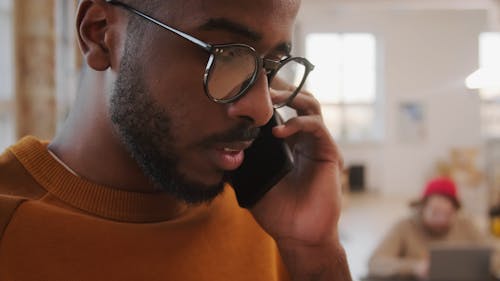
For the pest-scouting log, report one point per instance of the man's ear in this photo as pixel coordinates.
(92, 24)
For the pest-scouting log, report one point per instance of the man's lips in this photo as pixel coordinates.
(229, 155)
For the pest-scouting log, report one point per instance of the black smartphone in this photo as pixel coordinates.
(266, 162)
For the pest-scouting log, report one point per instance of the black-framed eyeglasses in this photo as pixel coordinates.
(232, 69)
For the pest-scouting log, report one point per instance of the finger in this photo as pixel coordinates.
(279, 96)
(279, 84)
(306, 92)
(304, 102)
(313, 126)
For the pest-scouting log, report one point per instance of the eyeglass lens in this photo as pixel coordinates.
(233, 70)
(288, 78)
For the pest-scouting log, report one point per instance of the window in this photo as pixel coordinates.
(6, 79)
(489, 69)
(344, 81)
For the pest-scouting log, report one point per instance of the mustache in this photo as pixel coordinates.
(239, 133)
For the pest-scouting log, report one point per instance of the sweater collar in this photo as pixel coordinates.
(99, 200)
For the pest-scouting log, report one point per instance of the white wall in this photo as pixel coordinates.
(6, 78)
(5, 51)
(425, 57)
(5, 4)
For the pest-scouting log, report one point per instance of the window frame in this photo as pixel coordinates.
(377, 129)
(487, 102)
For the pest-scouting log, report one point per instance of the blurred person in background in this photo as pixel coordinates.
(404, 251)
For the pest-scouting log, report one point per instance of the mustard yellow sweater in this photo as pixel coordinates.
(59, 227)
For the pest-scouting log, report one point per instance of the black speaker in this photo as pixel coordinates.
(356, 178)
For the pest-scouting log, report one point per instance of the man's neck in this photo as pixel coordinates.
(88, 145)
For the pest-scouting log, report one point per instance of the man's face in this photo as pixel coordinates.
(181, 139)
(438, 214)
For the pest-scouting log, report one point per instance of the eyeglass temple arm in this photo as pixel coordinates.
(196, 41)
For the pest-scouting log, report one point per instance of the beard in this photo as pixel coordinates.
(144, 128)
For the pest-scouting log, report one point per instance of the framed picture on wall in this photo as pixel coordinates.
(411, 122)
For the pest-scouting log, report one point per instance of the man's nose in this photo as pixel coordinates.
(255, 104)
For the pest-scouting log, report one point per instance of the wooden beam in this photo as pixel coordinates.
(35, 85)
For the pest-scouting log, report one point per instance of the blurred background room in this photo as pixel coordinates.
(410, 90)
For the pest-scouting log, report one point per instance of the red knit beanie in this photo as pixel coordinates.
(444, 187)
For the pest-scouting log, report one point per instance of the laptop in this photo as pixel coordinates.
(460, 263)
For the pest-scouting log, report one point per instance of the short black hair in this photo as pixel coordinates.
(137, 27)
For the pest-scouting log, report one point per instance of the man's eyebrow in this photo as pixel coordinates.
(242, 30)
(233, 27)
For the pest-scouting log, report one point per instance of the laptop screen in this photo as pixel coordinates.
(460, 263)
